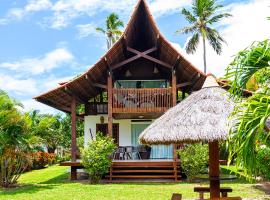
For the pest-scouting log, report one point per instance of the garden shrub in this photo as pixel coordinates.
(194, 159)
(263, 162)
(42, 159)
(12, 164)
(96, 157)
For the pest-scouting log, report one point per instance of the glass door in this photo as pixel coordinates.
(157, 151)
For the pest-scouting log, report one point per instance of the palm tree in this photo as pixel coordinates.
(112, 31)
(202, 16)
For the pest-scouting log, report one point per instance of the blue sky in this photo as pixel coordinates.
(44, 42)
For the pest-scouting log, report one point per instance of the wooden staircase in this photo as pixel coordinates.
(144, 171)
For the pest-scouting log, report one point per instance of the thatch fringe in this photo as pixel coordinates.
(202, 116)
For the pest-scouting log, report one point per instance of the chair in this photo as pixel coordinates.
(119, 153)
(136, 152)
(129, 152)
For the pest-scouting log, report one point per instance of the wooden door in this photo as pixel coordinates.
(103, 128)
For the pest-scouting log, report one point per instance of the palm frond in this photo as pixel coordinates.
(217, 18)
(192, 44)
(214, 39)
(246, 63)
(248, 128)
(188, 29)
(101, 30)
(188, 15)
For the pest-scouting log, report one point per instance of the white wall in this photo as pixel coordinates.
(124, 128)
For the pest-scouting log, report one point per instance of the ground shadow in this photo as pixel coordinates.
(29, 188)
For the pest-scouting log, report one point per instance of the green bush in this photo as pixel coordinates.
(263, 162)
(96, 157)
(194, 159)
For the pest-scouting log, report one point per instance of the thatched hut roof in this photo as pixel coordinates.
(202, 116)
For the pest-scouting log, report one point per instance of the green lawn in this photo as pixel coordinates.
(52, 183)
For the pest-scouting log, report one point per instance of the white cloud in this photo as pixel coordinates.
(161, 7)
(31, 7)
(248, 24)
(64, 11)
(84, 30)
(18, 86)
(45, 63)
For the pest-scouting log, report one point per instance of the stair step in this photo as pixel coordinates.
(142, 171)
(143, 176)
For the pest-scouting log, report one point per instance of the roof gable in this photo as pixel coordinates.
(141, 34)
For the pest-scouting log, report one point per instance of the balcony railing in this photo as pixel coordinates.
(142, 100)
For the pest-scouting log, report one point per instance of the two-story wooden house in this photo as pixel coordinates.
(134, 83)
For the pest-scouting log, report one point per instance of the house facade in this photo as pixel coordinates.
(135, 82)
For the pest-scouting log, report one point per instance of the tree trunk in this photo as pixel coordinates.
(204, 55)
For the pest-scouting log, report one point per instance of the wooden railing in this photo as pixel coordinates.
(142, 100)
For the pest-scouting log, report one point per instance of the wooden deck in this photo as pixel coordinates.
(161, 170)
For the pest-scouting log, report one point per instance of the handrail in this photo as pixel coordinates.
(142, 100)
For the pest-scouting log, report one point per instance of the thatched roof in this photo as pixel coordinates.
(202, 116)
(141, 33)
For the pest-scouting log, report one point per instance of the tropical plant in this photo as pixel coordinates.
(112, 32)
(194, 159)
(250, 70)
(201, 18)
(254, 59)
(14, 141)
(96, 157)
(248, 131)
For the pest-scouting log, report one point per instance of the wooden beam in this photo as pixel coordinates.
(73, 129)
(180, 85)
(214, 170)
(174, 96)
(110, 102)
(75, 94)
(90, 84)
(100, 86)
(158, 45)
(124, 46)
(178, 59)
(124, 62)
(149, 57)
(73, 137)
(51, 103)
(195, 78)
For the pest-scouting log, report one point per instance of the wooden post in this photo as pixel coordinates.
(110, 118)
(174, 97)
(175, 162)
(73, 138)
(214, 170)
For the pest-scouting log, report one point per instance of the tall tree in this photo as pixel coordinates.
(112, 32)
(203, 15)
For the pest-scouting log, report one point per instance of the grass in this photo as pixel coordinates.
(52, 183)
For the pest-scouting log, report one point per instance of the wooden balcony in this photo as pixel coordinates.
(145, 100)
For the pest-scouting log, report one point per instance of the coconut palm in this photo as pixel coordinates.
(112, 32)
(203, 15)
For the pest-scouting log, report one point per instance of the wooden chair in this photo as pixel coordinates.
(176, 196)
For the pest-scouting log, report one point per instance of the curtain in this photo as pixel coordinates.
(157, 151)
